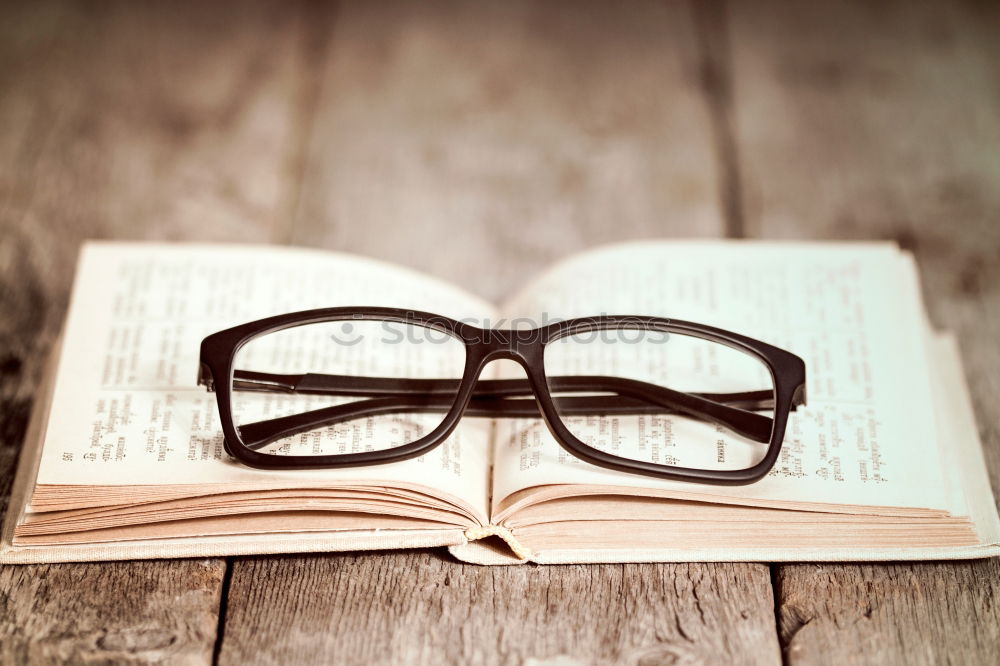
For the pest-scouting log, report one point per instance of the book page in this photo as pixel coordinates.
(127, 410)
(851, 311)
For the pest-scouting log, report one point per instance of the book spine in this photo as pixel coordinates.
(484, 531)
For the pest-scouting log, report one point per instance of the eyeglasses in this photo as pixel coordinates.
(343, 387)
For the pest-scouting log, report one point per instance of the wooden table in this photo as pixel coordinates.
(479, 142)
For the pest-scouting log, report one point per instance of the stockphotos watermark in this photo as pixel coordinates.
(420, 330)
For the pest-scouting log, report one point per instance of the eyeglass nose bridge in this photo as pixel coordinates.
(506, 347)
(521, 346)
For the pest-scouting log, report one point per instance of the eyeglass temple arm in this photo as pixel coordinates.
(256, 435)
(490, 399)
(347, 385)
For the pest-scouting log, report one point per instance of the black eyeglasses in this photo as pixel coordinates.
(342, 387)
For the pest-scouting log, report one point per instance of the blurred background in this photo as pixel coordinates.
(482, 141)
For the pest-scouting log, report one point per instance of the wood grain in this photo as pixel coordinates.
(423, 607)
(479, 143)
(167, 121)
(883, 121)
(925, 613)
(112, 612)
(122, 122)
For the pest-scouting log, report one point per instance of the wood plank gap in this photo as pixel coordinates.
(784, 637)
(318, 21)
(220, 631)
(715, 74)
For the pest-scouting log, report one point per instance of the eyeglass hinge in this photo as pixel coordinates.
(205, 377)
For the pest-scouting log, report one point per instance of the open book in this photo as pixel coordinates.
(124, 456)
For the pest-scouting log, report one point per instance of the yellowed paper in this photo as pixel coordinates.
(852, 312)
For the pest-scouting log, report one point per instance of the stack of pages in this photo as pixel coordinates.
(124, 457)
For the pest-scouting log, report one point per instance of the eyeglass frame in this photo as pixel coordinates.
(482, 346)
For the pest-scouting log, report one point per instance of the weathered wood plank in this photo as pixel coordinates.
(120, 122)
(110, 612)
(423, 607)
(480, 143)
(882, 121)
(125, 121)
(926, 613)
